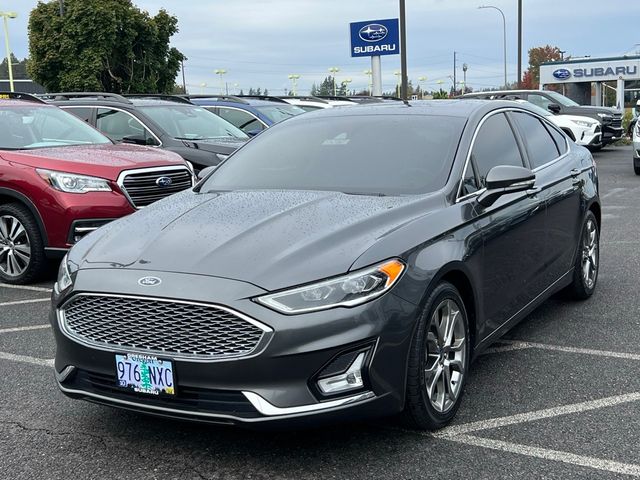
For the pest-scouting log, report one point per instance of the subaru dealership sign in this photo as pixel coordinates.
(590, 70)
(375, 37)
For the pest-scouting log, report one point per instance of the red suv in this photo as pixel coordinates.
(60, 179)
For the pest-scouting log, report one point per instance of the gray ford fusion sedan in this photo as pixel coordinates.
(345, 263)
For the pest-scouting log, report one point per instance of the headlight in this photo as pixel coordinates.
(73, 183)
(583, 123)
(605, 116)
(64, 280)
(345, 291)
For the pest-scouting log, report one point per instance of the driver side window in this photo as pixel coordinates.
(539, 100)
(243, 120)
(117, 125)
(495, 145)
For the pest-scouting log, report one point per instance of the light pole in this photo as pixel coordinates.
(5, 16)
(345, 83)
(562, 52)
(504, 38)
(421, 81)
(202, 87)
(369, 73)
(334, 70)
(221, 72)
(398, 75)
(465, 67)
(294, 81)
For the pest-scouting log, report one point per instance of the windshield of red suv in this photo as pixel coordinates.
(32, 126)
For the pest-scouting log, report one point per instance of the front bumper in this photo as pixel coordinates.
(611, 134)
(588, 136)
(276, 384)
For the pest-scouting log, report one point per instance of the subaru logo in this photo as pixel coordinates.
(149, 281)
(164, 182)
(373, 32)
(562, 74)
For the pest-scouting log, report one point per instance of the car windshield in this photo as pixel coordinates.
(187, 122)
(561, 99)
(277, 113)
(367, 155)
(27, 127)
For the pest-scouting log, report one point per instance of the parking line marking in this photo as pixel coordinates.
(26, 287)
(547, 454)
(24, 329)
(507, 348)
(22, 302)
(26, 359)
(535, 415)
(584, 351)
(613, 191)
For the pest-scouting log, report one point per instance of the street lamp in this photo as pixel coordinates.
(504, 38)
(345, 83)
(334, 70)
(294, 80)
(421, 81)
(465, 67)
(5, 16)
(369, 73)
(202, 87)
(398, 75)
(221, 72)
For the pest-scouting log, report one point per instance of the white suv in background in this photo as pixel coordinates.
(584, 131)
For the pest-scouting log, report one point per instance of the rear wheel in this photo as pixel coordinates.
(585, 272)
(438, 360)
(22, 258)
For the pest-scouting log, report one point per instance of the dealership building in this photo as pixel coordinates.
(610, 82)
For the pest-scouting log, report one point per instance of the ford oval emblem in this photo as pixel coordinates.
(562, 74)
(374, 32)
(164, 182)
(149, 281)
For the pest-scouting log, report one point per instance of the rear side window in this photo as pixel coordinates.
(559, 138)
(83, 113)
(540, 145)
(495, 145)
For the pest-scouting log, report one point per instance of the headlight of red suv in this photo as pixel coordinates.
(74, 183)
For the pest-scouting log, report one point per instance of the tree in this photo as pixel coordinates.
(103, 45)
(19, 68)
(325, 87)
(538, 55)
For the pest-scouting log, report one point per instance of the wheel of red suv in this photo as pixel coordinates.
(22, 258)
(585, 272)
(438, 360)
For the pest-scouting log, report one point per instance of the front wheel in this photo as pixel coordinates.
(587, 265)
(438, 360)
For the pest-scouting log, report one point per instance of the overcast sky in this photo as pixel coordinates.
(261, 42)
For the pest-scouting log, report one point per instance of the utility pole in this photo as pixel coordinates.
(403, 52)
(519, 43)
(562, 52)
(184, 83)
(455, 83)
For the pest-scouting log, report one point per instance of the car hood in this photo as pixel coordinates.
(105, 161)
(591, 111)
(272, 239)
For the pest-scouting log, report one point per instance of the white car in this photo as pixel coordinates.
(311, 103)
(584, 131)
(636, 148)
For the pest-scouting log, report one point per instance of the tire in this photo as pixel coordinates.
(427, 407)
(22, 258)
(587, 265)
(636, 168)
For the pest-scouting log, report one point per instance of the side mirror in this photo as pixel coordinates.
(505, 179)
(138, 140)
(554, 108)
(206, 171)
(253, 133)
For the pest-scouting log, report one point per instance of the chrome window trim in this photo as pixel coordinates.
(64, 107)
(459, 197)
(267, 331)
(238, 109)
(125, 173)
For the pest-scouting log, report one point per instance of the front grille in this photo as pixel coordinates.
(142, 185)
(160, 327)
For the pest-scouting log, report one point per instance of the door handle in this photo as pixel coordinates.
(575, 172)
(532, 192)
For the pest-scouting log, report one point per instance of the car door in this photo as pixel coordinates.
(513, 228)
(559, 179)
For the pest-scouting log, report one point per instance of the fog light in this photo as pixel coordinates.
(349, 380)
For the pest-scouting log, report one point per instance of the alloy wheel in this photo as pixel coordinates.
(15, 247)
(446, 356)
(590, 253)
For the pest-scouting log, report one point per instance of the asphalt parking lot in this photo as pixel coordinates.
(558, 397)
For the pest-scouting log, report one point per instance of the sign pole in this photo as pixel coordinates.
(403, 52)
(376, 74)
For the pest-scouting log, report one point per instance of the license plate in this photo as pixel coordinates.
(145, 374)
